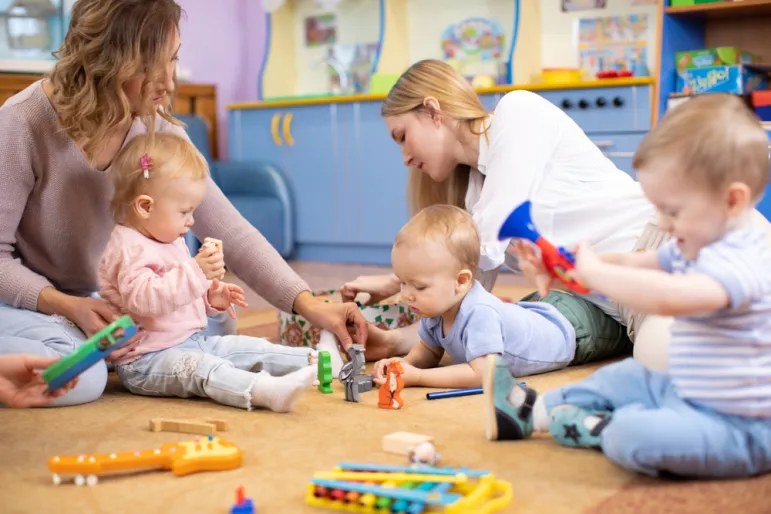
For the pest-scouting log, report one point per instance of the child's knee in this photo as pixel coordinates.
(91, 385)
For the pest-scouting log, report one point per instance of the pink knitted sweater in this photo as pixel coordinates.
(159, 285)
(55, 219)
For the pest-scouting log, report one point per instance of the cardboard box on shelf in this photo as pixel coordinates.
(740, 79)
(720, 56)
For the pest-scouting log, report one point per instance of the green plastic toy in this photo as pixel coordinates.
(325, 372)
(96, 347)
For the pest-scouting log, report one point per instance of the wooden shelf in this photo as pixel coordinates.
(722, 10)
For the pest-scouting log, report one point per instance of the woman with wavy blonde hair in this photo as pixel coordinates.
(527, 149)
(113, 80)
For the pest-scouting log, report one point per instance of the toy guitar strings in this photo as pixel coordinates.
(558, 261)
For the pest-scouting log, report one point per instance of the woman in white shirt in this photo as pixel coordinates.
(489, 164)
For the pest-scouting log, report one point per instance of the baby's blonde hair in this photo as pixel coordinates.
(448, 225)
(716, 140)
(171, 157)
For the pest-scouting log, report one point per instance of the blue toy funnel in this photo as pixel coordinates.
(519, 224)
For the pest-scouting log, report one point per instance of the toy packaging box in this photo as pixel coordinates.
(721, 56)
(740, 79)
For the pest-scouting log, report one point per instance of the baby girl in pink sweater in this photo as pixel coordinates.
(147, 272)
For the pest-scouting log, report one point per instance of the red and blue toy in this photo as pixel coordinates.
(243, 504)
(558, 261)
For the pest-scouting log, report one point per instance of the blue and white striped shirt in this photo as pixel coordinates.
(722, 359)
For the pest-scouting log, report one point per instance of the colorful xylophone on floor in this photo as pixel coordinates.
(374, 488)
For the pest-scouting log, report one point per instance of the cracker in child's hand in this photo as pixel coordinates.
(215, 242)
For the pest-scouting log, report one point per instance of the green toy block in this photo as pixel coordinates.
(325, 372)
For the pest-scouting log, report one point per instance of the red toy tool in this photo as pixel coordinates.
(558, 261)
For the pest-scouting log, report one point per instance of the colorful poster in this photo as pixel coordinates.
(613, 43)
(476, 39)
(320, 30)
(583, 5)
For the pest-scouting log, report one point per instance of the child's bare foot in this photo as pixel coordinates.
(279, 394)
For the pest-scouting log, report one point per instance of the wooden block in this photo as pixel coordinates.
(221, 424)
(401, 442)
(185, 426)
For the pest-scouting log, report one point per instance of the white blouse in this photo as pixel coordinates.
(533, 150)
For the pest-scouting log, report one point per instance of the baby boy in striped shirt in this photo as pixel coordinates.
(704, 167)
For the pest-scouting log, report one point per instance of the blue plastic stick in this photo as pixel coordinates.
(454, 393)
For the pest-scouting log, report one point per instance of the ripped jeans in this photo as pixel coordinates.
(23, 331)
(223, 368)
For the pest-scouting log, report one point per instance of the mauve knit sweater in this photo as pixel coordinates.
(55, 219)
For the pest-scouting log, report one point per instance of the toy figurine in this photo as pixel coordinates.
(351, 377)
(324, 372)
(389, 396)
(558, 261)
(424, 453)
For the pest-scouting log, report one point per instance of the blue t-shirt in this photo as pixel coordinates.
(533, 337)
(722, 359)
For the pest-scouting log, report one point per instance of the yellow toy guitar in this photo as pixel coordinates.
(212, 454)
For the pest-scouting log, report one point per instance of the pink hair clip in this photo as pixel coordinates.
(146, 164)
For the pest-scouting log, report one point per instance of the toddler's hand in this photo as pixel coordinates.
(211, 261)
(222, 296)
(587, 262)
(531, 265)
(380, 370)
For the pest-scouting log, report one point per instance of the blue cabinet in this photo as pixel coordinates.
(379, 207)
(303, 143)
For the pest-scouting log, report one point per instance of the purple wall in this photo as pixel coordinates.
(223, 43)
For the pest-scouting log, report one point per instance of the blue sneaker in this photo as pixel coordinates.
(577, 427)
(503, 420)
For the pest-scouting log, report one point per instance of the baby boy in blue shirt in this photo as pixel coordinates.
(435, 256)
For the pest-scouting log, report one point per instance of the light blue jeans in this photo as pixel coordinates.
(654, 431)
(23, 331)
(223, 368)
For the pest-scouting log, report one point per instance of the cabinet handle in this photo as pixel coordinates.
(274, 129)
(288, 129)
(603, 144)
(618, 154)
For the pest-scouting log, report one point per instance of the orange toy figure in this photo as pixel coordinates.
(389, 397)
(211, 454)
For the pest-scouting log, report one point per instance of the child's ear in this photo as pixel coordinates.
(143, 206)
(465, 279)
(739, 198)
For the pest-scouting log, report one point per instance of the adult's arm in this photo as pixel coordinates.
(247, 252)
(251, 257)
(522, 138)
(19, 285)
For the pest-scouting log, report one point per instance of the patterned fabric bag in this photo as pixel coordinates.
(294, 330)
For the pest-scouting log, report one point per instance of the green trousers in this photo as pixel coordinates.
(598, 336)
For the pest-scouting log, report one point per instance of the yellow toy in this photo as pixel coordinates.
(373, 488)
(212, 454)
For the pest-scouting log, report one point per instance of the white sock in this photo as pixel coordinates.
(517, 397)
(279, 394)
(328, 343)
(540, 416)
